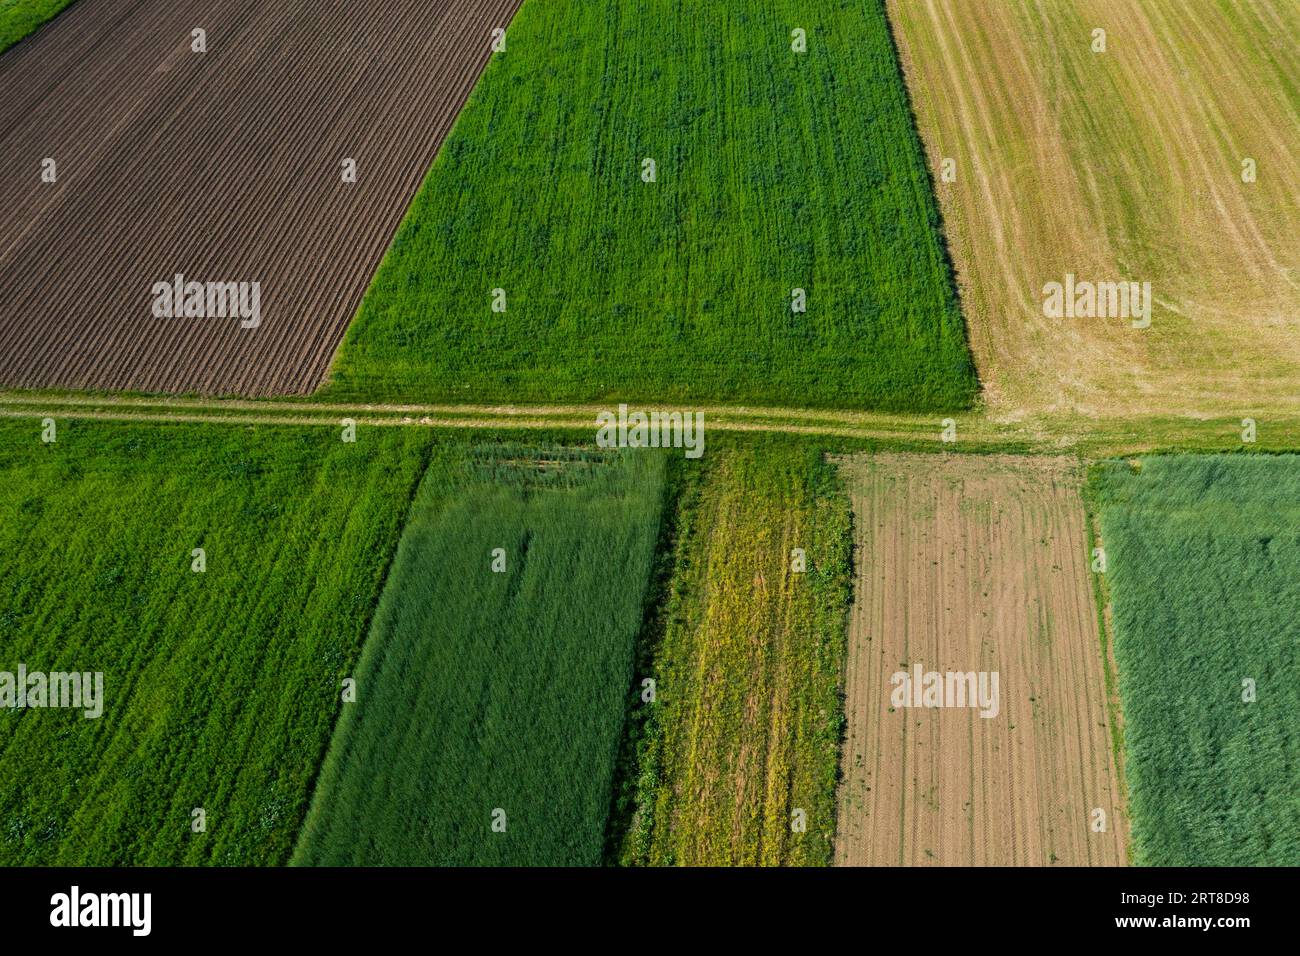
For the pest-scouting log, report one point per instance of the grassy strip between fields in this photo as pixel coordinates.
(544, 259)
(492, 690)
(221, 679)
(20, 17)
(736, 757)
(841, 430)
(1204, 578)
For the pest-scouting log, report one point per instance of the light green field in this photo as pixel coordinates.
(220, 688)
(738, 755)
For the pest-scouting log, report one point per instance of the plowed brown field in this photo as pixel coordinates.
(221, 166)
(975, 564)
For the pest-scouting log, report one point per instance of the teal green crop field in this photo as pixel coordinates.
(537, 264)
(220, 687)
(20, 17)
(1204, 579)
(493, 688)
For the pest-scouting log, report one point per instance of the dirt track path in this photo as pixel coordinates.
(224, 166)
(977, 431)
(975, 564)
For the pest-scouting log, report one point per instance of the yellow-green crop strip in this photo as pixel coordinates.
(1203, 558)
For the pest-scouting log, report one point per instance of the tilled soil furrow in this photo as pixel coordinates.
(224, 167)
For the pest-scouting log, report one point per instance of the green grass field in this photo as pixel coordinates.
(1204, 578)
(220, 688)
(775, 170)
(746, 724)
(20, 17)
(482, 690)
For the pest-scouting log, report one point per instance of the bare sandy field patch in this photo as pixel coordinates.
(975, 564)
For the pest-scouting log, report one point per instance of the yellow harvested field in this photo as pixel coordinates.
(974, 565)
(1122, 165)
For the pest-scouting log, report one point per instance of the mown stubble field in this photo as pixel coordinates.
(1122, 165)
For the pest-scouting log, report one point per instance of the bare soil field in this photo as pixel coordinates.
(975, 564)
(1126, 164)
(222, 166)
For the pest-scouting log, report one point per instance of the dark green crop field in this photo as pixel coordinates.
(220, 687)
(774, 170)
(493, 687)
(1204, 578)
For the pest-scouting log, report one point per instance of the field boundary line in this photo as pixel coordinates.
(427, 421)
